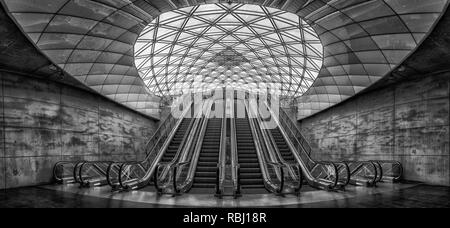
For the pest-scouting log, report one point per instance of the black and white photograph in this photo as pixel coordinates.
(224, 104)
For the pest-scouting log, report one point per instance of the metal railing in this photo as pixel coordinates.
(63, 172)
(185, 171)
(221, 168)
(272, 170)
(323, 175)
(293, 178)
(133, 175)
(165, 173)
(392, 171)
(93, 173)
(235, 167)
(366, 173)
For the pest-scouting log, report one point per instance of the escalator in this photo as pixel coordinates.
(250, 176)
(281, 143)
(174, 145)
(206, 172)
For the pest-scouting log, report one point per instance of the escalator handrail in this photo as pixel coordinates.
(380, 174)
(360, 165)
(193, 160)
(292, 124)
(185, 141)
(58, 164)
(399, 164)
(169, 118)
(270, 143)
(108, 175)
(347, 171)
(148, 172)
(263, 163)
(123, 184)
(335, 182)
(169, 138)
(171, 167)
(93, 164)
(222, 153)
(271, 158)
(312, 180)
(234, 156)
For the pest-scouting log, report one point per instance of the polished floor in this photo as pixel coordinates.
(386, 195)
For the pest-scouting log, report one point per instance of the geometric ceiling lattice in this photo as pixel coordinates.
(235, 45)
(93, 40)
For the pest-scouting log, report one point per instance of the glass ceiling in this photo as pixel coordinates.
(235, 45)
(93, 40)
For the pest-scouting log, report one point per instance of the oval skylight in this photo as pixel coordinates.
(233, 45)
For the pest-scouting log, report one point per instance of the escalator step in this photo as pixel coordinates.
(250, 170)
(251, 181)
(253, 186)
(206, 169)
(246, 176)
(199, 185)
(205, 174)
(205, 180)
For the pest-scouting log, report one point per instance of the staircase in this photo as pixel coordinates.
(251, 178)
(174, 145)
(206, 173)
(282, 145)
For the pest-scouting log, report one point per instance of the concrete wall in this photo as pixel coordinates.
(408, 122)
(44, 122)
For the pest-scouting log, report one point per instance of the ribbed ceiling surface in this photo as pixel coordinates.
(93, 40)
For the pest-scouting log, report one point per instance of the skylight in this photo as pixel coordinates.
(234, 45)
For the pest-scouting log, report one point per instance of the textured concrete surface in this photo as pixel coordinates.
(414, 196)
(408, 122)
(308, 195)
(44, 122)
